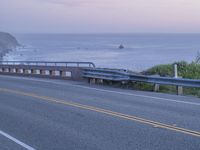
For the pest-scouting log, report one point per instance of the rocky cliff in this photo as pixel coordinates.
(7, 43)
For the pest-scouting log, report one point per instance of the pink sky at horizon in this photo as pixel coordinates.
(99, 16)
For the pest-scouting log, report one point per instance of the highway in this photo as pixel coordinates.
(45, 114)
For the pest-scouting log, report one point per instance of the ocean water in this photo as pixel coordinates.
(141, 50)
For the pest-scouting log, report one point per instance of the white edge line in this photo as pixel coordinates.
(16, 141)
(110, 91)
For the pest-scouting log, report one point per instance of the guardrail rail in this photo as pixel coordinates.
(98, 75)
(49, 63)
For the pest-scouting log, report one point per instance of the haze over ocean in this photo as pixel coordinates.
(141, 50)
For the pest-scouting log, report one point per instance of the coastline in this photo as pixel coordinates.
(140, 53)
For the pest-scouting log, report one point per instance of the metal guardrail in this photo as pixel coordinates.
(106, 74)
(116, 75)
(167, 81)
(49, 63)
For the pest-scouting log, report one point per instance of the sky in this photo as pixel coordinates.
(99, 16)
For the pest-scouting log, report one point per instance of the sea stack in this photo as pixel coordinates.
(121, 46)
(7, 43)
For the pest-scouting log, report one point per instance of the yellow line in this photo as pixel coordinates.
(104, 111)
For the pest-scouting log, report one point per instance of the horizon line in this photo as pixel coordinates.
(104, 32)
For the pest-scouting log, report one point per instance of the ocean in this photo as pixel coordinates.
(141, 51)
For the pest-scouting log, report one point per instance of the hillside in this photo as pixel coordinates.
(7, 43)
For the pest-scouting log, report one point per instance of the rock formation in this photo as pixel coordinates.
(7, 43)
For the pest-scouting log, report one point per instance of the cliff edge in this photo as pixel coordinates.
(7, 43)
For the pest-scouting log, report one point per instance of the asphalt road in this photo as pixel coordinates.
(48, 114)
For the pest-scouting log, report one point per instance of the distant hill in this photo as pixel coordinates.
(7, 43)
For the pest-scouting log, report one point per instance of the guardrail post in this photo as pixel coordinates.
(179, 90)
(156, 87)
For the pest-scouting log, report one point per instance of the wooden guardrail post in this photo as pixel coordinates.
(156, 87)
(179, 90)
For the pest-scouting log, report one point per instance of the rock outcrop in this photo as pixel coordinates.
(121, 46)
(7, 43)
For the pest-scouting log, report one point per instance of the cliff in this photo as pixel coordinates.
(7, 43)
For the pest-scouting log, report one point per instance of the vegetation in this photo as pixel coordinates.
(197, 60)
(185, 70)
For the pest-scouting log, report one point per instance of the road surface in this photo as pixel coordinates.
(49, 114)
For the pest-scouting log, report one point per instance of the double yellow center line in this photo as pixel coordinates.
(104, 111)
